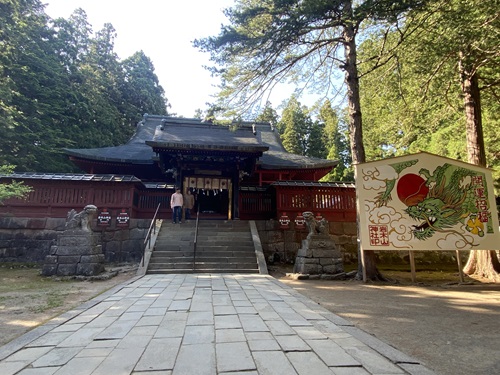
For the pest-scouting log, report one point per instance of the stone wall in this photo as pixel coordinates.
(287, 243)
(30, 240)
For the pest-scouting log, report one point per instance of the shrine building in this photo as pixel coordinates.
(236, 171)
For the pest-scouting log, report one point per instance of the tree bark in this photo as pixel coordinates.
(356, 135)
(481, 263)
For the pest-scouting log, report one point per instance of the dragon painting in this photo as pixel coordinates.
(439, 201)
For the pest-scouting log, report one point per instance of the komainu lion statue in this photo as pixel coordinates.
(82, 219)
(315, 227)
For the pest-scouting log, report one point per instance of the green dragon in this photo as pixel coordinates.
(450, 200)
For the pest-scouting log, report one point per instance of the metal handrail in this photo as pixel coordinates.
(196, 237)
(151, 230)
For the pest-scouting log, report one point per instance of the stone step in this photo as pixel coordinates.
(222, 246)
(236, 248)
(227, 252)
(174, 265)
(202, 258)
(173, 242)
(225, 241)
(203, 265)
(190, 270)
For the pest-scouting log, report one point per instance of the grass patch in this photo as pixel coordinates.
(48, 301)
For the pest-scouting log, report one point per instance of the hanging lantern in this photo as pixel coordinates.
(284, 221)
(319, 217)
(300, 222)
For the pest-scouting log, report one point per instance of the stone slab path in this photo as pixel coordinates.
(199, 324)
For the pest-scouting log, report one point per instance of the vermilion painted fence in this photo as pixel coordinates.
(334, 203)
(256, 205)
(55, 198)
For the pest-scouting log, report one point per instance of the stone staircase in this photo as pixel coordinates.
(222, 247)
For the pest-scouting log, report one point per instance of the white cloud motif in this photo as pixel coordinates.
(455, 241)
(375, 178)
(399, 226)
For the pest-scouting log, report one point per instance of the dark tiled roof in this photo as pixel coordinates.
(198, 135)
(278, 158)
(313, 183)
(72, 177)
(187, 134)
(135, 151)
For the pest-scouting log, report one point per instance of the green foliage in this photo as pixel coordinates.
(293, 127)
(325, 137)
(297, 41)
(336, 141)
(315, 145)
(269, 115)
(141, 89)
(299, 133)
(415, 102)
(13, 188)
(62, 86)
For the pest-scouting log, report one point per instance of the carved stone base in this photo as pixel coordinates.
(318, 255)
(77, 252)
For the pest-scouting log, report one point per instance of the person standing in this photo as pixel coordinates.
(176, 203)
(188, 204)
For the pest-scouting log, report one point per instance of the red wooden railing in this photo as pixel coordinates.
(334, 203)
(256, 205)
(56, 198)
(49, 199)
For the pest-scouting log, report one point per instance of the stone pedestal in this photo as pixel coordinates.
(78, 250)
(76, 253)
(318, 255)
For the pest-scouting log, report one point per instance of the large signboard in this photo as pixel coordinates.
(426, 202)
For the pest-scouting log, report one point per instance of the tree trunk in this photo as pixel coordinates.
(481, 263)
(355, 133)
(484, 264)
(476, 153)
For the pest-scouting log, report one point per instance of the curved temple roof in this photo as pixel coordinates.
(188, 134)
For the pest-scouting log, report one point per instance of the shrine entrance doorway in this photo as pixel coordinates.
(212, 196)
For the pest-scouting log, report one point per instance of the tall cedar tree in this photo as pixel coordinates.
(62, 86)
(33, 86)
(269, 41)
(434, 94)
(469, 38)
(336, 144)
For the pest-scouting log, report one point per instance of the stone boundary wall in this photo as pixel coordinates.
(344, 235)
(30, 239)
(286, 243)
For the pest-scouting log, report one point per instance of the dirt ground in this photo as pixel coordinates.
(28, 299)
(452, 328)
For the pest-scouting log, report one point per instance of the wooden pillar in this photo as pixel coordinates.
(459, 264)
(412, 267)
(235, 195)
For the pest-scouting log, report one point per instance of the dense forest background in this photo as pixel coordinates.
(63, 86)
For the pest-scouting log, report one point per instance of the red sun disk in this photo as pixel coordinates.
(411, 189)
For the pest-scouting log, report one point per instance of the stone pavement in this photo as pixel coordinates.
(199, 324)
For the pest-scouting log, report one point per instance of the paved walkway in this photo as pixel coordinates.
(202, 324)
